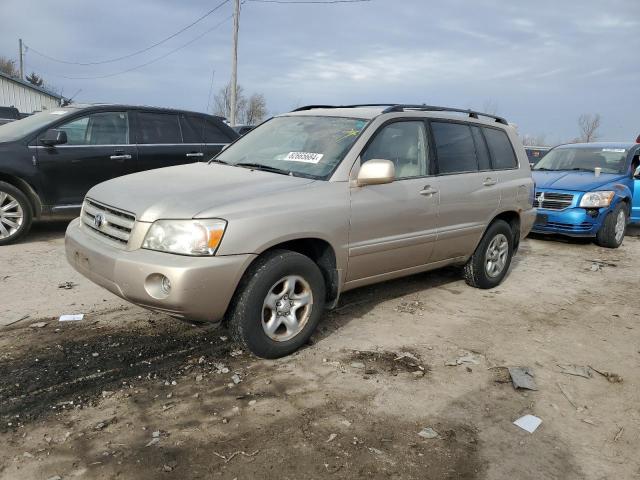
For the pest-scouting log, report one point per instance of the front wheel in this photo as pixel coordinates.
(15, 214)
(614, 227)
(278, 304)
(490, 262)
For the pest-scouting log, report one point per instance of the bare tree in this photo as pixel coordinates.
(589, 125)
(35, 79)
(222, 101)
(490, 106)
(256, 109)
(533, 140)
(8, 67)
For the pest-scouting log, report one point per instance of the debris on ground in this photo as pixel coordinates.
(610, 376)
(67, 285)
(236, 353)
(428, 433)
(331, 437)
(72, 318)
(236, 378)
(357, 365)
(567, 396)
(24, 317)
(468, 359)
(576, 370)
(374, 362)
(231, 456)
(411, 307)
(170, 466)
(618, 435)
(522, 377)
(105, 423)
(38, 325)
(529, 423)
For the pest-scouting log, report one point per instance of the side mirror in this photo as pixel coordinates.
(54, 137)
(376, 172)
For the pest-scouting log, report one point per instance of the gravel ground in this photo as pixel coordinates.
(128, 393)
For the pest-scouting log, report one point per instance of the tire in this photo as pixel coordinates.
(614, 227)
(478, 272)
(271, 293)
(15, 214)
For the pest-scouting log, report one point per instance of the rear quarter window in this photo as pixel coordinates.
(501, 150)
(455, 147)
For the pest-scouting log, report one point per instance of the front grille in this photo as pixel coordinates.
(553, 200)
(573, 227)
(113, 225)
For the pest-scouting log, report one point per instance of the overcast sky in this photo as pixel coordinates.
(540, 64)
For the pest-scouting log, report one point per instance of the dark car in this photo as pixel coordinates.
(48, 161)
(535, 154)
(243, 129)
(9, 114)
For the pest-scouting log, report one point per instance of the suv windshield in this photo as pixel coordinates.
(12, 131)
(308, 146)
(610, 160)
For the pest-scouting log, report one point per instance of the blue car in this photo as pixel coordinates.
(587, 190)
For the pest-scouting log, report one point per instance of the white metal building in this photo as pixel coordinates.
(27, 98)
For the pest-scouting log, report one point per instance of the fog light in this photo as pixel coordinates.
(166, 285)
(158, 286)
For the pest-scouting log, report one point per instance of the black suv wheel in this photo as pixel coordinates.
(15, 214)
(277, 305)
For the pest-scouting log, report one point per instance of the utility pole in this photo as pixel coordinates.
(21, 57)
(234, 64)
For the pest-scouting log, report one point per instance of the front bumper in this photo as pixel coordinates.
(574, 222)
(201, 287)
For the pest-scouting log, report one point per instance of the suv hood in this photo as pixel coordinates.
(185, 191)
(576, 181)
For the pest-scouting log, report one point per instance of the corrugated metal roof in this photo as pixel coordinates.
(31, 86)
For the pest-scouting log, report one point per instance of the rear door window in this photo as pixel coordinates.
(455, 147)
(158, 128)
(501, 150)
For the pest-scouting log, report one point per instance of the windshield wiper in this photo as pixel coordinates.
(579, 169)
(543, 169)
(217, 160)
(267, 168)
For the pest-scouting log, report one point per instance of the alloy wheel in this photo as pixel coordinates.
(621, 222)
(496, 255)
(287, 308)
(11, 215)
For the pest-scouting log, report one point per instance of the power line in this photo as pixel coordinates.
(301, 2)
(138, 52)
(150, 61)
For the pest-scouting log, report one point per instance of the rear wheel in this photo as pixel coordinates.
(278, 304)
(490, 262)
(15, 214)
(614, 227)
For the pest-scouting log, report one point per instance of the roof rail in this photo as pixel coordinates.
(312, 107)
(432, 108)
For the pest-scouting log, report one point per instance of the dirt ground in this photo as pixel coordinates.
(132, 394)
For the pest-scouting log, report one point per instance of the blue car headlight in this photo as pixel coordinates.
(597, 199)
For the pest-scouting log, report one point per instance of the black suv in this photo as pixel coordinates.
(49, 161)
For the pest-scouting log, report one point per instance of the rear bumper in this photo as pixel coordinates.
(201, 287)
(574, 222)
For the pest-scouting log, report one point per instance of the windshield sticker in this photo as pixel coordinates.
(304, 157)
(349, 133)
(57, 112)
(614, 150)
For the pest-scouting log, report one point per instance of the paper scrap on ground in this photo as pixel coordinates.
(576, 370)
(529, 423)
(522, 377)
(71, 318)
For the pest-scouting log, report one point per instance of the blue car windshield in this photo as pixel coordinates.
(608, 159)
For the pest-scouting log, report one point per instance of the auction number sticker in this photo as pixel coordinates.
(304, 157)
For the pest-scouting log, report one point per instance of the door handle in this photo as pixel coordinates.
(195, 154)
(488, 182)
(428, 191)
(120, 157)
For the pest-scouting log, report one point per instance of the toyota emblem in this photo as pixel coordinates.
(98, 220)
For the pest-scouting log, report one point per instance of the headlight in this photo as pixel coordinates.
(597, 199)
(185, 237)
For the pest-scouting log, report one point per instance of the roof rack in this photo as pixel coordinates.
(313, 107)
(399, 107)
(432, 108)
